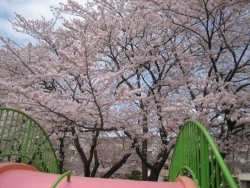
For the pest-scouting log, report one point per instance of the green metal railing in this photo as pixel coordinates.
(58, 180)
(22, 139)
(196, 155)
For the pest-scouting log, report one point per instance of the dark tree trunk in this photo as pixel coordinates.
(117, 166)
(96, 164)
(158, 165)
(86, 170)
(61, 153)
(154, 175)
(82, 154)
(144, 154)
(145, 151)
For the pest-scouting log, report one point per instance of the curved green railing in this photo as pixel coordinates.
(196, 155)
(58, 180)
(22, 139)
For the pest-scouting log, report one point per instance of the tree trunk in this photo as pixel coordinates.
(145, 150)
(116, 166)
(96, 165)
(154, 175)
(82, 154)
(161, 160)
(144, 154)
(61, 152)
(86, 170)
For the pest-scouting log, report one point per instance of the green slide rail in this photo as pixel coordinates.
(196, 155)
(58, 180)
(22, 139)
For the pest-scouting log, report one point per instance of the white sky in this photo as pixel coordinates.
(30, 9)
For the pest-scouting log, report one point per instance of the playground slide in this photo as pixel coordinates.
(13, 175)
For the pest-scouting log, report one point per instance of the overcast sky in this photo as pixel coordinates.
(30, 9)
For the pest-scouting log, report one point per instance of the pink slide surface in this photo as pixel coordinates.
(13, 175)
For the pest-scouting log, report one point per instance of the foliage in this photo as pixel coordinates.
(135, 175)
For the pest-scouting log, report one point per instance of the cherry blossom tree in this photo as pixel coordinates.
(132, 71)
(66, 100)
(102, 72)
(140, 45)
(218, 39)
